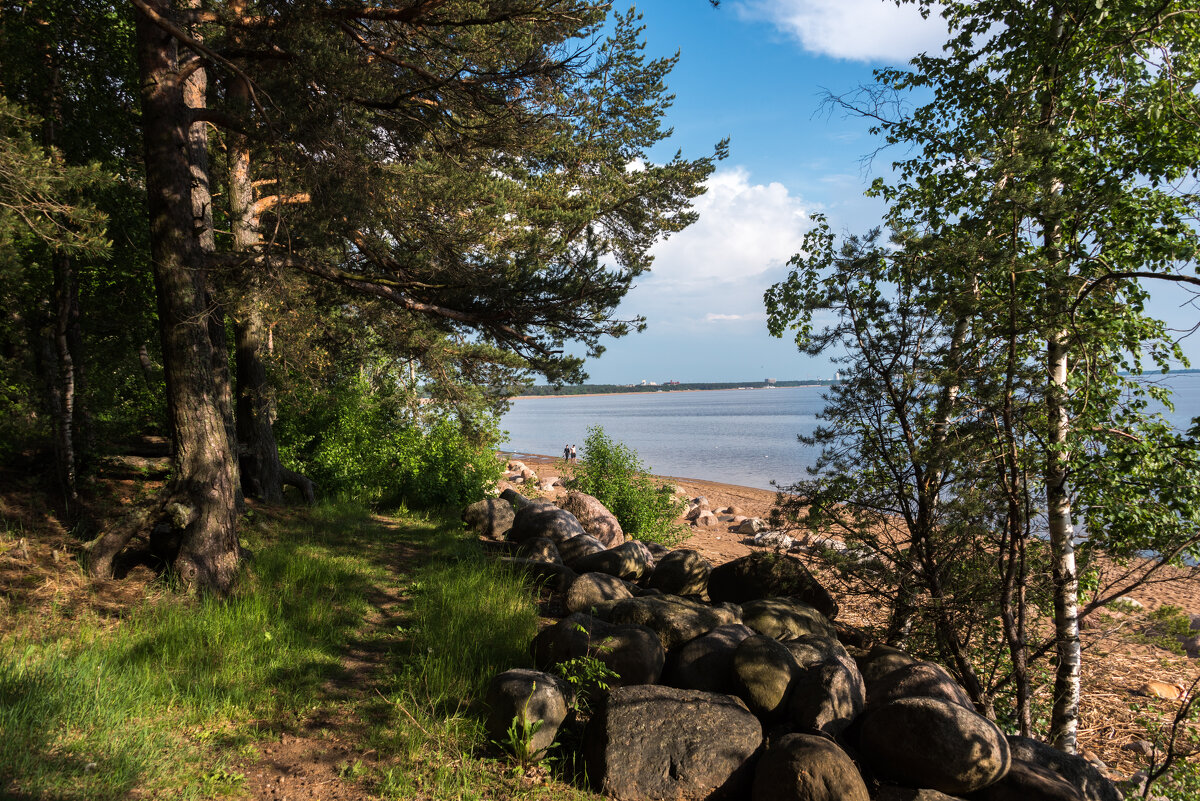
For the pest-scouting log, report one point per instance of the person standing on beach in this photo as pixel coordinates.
(572, 459)
(566, 453)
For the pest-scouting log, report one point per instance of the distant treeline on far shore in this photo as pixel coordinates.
(677, 386)
(669, 386)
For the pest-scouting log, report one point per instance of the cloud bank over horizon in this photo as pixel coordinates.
(704, 297)
(744, 230)
(853, 30)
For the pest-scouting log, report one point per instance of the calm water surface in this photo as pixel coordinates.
(745, 437)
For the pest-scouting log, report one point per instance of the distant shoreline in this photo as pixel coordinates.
(630, 391)
(612, 389)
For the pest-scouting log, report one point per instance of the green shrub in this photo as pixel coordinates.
(379, 448)
(1166, 626)
(612, 473)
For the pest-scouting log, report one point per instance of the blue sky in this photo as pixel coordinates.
(755, 71)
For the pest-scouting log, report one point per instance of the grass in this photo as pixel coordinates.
(169, 700)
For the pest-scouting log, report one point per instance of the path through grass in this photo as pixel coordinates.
(373, 636)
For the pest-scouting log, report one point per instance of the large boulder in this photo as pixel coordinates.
(576, 548)
(514, 497)
(632, 652)
(660, 743)
(674, 620)
(519, 701)
(826, 697)
(682, 572)
(924, 742)
(751, 526)
(569, 638)
(882, 660)
(785, 619)
(802, 767)
(656, 549)
(813, 650)
(629, 561)
(539, 549)
(706, 662)
(544, 519)
(762, 672)
(769, 575)
(594, 517)
(918, 680)
(591, 590)
(1073, 768)
(1026, 781)
(894, 792)
(490, 518)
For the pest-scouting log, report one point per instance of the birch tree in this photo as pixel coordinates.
(1057, 144)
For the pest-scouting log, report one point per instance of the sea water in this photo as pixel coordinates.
(738, 436)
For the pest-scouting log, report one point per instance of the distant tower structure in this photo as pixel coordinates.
(770, 382)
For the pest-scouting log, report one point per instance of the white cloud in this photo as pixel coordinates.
(714, 318)
(856, 30)
(743, 231)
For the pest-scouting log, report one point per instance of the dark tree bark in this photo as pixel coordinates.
(67, 412)
(262, 472)
(66, 317)
(195, 93)
(202, 494)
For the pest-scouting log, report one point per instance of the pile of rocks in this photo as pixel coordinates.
(517, 473)
(735, 682)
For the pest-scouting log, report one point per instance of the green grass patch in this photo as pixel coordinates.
(172, 698)
(91, 712)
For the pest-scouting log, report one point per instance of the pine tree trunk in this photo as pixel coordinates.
(195, 95)
(263, 472)
(203, 486)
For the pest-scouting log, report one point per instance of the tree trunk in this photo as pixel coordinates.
(1064, 719)
(262, 470)
(195, 95)
(1012, 552)
(66, 314)
(203, 486)
(67, 411)
(148, 368)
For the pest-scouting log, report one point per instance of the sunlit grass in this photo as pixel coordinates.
(92, 712)
(173, 697)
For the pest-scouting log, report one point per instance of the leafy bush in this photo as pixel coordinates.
(1166, 627)
(376, 448)
(612, 473)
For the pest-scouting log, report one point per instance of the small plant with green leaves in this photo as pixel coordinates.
(518, 741)
(1166, 627)
(612, 473)
(588, 676)
(1172, 771)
